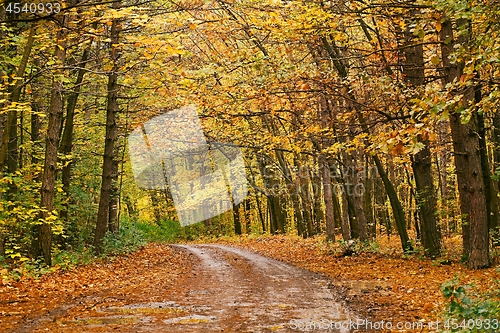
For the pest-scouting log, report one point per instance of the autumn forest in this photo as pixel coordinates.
(356, 119)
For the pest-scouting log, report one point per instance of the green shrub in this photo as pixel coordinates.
(469, 311)
(134, 234)
(165, 232)
(355, 246)
(129, 238)
(66, 259)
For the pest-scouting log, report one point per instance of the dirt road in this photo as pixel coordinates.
(226, 290)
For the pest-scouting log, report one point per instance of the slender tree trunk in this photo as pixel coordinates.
(113, 223)
(35, 136)
(346, 229)
(236, 219)
(153, 195)
(307, 206)
(298, 204)
(13, 152)
(345, 181)
(382, 211)
(397, 209)
(328, 199)
(262, 218)
(110, 142)
(317, 196)
(131, 208)
(357, 188)
(413, 68)
(431, 236)
(368, 201)
(496, 163)
(336, 209)
(247, 211)
(258, 204)
(42, 238)
(67, 137)
(293, 187)
(9, 143)
(441, 165)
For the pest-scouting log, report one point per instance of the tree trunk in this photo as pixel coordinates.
(491, 195)
(316, 182)
(368, 205)
(397, 209)
(346, 230)
(328, 199)
(298, 204)
(468, 166)
(382, 210)
(413, 68)
(496, 163)
(357, 190)
(113, 222)
(67, 137)
(35, 136)
(236, 219)
(307, 206)
(13, 152)
(153, 195)
(441, 165)
(42, 238)
(258, 203)
(431, 237)
(111, 137)
(247, 211)
(131, 208)
(336, 209)
(9, 144)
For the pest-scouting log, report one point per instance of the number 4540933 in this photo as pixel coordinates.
(471, 324)
(33, 8)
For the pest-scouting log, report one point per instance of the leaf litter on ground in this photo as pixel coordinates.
(376, 285)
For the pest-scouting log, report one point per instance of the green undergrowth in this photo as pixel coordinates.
(470, 310)
(132, 236)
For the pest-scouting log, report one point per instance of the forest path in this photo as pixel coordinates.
(240, 291)
(224, 289)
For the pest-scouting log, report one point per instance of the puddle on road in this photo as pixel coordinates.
(199, 292)
(191, 319)
(148, 308)
(128, 314)
(108, 320)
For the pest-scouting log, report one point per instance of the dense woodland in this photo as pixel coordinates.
(356, 118)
